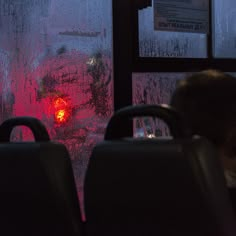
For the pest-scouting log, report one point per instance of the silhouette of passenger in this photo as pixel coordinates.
(207, 101)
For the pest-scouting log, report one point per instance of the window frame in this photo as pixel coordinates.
(126, 60)
(126, 52)
(164, 64)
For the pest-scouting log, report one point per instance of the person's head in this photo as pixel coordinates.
(207, 101)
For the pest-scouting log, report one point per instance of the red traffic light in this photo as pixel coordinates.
(62, 110)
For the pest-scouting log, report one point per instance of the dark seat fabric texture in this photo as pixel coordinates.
(157, 187)
(232, 194)
(37, 190)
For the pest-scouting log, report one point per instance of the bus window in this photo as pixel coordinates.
(153, 88)
(56, 65)
(159, 43)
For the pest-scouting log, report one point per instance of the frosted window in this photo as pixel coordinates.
(224, 29)
(56, 65)
(168, 44)
(153, 88)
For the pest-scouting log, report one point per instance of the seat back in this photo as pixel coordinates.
(156, 187)
(37, 189)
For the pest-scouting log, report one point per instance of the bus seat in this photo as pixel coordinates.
(166, 187)
(37, 189)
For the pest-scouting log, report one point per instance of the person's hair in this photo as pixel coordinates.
(207, 101)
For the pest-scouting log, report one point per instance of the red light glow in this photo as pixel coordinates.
(62, 110)
(61, 116)
(60, 102)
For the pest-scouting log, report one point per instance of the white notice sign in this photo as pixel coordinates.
(181, 15)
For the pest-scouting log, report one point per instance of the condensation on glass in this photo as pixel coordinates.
(55, 64)
(224, 28)
(155, 89)
(154, 43)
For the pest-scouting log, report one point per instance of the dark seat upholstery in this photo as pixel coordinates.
(156, 187)
(37, 190)
(232, 194)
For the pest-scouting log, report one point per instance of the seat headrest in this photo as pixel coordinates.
(156, 187)
(168, 187)
(37, 189)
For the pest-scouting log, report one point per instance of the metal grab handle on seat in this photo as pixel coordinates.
(36, 126)
(171, 117)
